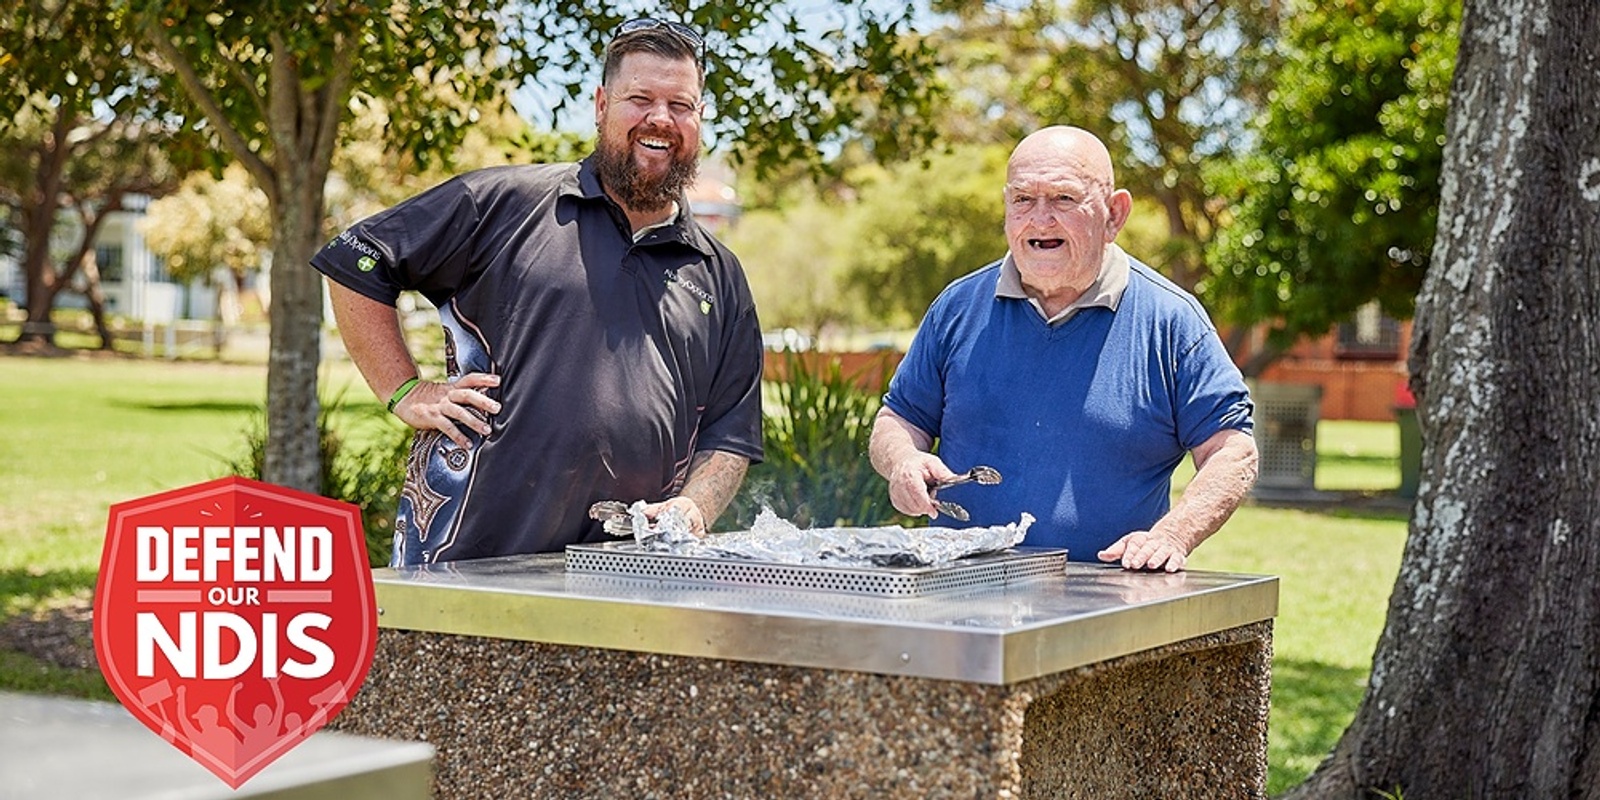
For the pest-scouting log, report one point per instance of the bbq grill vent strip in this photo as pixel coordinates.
(625, 559)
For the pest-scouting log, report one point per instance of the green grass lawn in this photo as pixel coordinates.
(84, 432)
(1358, 456)
(1335, 575)
(1336, 568)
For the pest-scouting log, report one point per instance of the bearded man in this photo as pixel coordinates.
(599, 343)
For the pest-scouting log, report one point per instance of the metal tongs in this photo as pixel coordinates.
(620, 519)
(613, 517)
(984, 476)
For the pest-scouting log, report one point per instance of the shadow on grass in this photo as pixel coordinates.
(34, 633)
(1345, 504)
(23, 589)
(199, 406)
(1312, 704)
(1325, 458)
(1380, 512)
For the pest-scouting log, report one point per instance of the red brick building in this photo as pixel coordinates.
(1360, 366)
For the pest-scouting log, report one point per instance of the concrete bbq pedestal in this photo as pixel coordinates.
(1098, 683)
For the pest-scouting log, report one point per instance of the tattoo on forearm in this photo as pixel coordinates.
(714, 478)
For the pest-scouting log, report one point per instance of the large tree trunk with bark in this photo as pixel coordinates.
(1486, 680)
(293, 456)
(304, 128)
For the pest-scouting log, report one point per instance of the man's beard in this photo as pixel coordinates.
(621, 176)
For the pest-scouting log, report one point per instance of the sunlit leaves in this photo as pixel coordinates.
(882, 257)
(1338, 205)
(787, 81)
(209, 223)
(65, 56)
(80, 129)
(1168, 84)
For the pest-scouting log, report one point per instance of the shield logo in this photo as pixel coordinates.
(234, 618)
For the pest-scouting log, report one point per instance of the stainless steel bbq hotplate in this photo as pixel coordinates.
(991, 570)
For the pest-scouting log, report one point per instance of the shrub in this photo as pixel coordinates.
(815, 429)
(369, 477)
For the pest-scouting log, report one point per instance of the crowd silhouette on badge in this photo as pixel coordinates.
(219, 728)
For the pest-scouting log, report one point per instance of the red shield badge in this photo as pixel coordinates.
(234, 618)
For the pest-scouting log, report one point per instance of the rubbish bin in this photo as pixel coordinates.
(1286, 436)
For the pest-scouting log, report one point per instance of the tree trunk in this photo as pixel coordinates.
(39, 209)
(96, 295)
(42, 288)
(1181, 243)
(86, 263)
(302, 113)
(1486, 680)
(230, 286)
(293, 457)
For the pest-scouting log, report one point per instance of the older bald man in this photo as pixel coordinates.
(1080, 373)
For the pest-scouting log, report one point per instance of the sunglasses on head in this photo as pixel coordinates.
(683, 31)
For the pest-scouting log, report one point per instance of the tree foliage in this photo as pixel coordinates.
(208, 223)
(793, 259)
(224, 220)
(371, 176)
(272, 84)
(923, 226)
(986, 63)
(80, 131)
(1169, 84)
(787, 81)
(1338, 204)
(878, 255)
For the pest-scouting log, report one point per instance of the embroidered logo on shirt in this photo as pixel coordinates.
(369, 255)
(672, 277)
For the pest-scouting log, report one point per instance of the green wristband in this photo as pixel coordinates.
(400, 393)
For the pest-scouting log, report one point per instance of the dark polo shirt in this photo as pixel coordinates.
(618, 359)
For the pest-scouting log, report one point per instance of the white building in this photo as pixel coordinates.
(133, 279)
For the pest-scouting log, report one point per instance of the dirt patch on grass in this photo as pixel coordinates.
(37, 349)
(59, 636)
